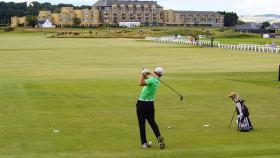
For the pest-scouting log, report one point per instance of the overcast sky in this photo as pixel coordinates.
(242, 7)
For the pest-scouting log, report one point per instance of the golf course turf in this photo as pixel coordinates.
(75, 98)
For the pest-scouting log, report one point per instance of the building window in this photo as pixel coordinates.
(85, 14)
(115, 8)
(154, 9)
(106, 10)
(138, 8)
(131, 9)
(146, 9)
(122, 8)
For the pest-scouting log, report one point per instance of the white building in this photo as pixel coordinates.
(45, 24)
(129, 24)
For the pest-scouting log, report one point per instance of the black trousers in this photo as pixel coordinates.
(146, 111)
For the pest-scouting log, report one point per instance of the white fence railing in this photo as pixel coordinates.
(168, 39)
(252, 48)
(207, 43)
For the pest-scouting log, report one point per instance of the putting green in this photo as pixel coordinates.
(76, 98)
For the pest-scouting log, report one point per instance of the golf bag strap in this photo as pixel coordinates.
(244, 108)
(241, 102)
(237, 111)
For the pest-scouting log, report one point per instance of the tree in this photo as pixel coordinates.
(230, 18)
(10, 9)
(31, 20)
(77, 21)
(266, 24)
(240, 22)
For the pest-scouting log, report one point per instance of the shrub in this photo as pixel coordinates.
(156, 29)
(9, 29)
(190, 32)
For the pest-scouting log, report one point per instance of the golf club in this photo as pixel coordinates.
(181, 97)
(232, 118)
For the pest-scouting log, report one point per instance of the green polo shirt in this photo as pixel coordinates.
(148, 93)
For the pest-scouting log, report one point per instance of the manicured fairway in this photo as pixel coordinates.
(75, 98)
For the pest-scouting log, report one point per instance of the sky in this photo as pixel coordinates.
(241, 7)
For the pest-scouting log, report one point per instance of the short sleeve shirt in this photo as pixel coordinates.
(148, 93)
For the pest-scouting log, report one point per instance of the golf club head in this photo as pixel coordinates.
(182, 98)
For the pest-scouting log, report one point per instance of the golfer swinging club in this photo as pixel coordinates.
(145, 105)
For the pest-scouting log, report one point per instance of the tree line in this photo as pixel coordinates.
(230, 18)
(10, 9)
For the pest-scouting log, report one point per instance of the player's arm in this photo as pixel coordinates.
(144, 75)
(142, 80)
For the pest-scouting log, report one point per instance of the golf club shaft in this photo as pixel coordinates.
(171, 88)
(232, 118)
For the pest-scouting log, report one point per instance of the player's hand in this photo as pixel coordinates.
(145, 71)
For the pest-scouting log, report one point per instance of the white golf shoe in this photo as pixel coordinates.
(147, 145)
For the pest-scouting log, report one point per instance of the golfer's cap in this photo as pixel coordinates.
(159, 70)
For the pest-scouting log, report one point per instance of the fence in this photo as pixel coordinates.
(182, 40)
(252, 48)
(207, 43)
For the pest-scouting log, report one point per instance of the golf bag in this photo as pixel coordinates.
(243, 122)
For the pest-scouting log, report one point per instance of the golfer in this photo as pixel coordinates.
(240, 110)
(145, 105)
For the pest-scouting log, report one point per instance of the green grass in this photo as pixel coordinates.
(87, 88)
(259, 41)
(229, 37)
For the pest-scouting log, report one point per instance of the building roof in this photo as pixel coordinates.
(274, 26)
(104, 3)
(249, 26)
(199, 13)
(41, 22)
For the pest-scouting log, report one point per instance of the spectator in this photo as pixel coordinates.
(273, 45)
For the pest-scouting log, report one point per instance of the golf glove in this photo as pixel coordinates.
(145, 71)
